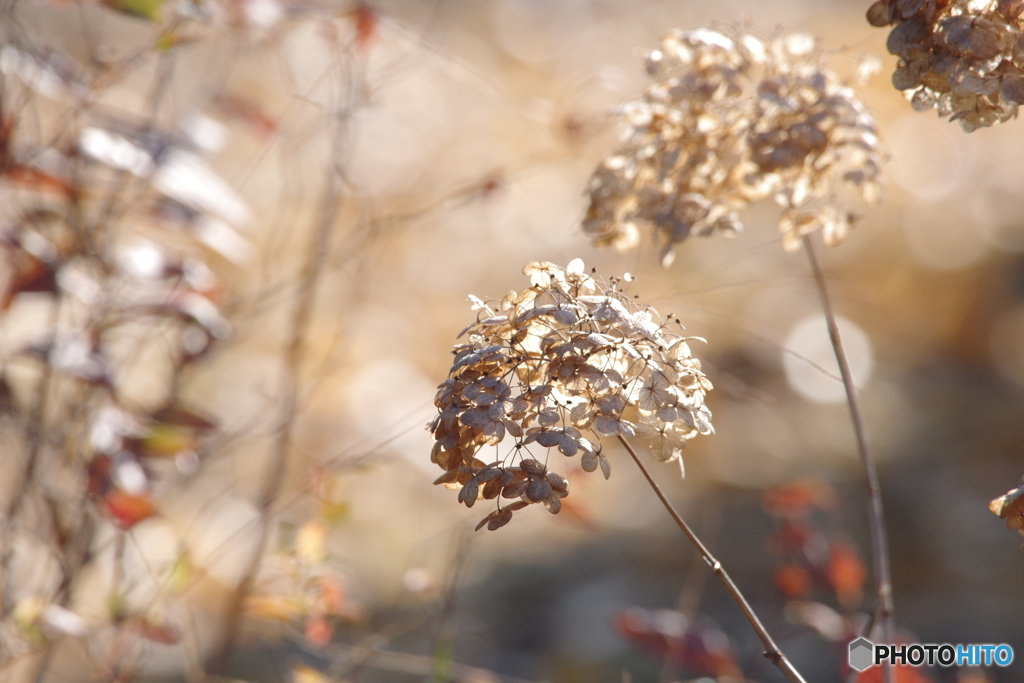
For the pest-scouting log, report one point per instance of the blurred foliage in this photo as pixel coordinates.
(237, 240)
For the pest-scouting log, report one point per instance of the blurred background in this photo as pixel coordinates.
(427, 150)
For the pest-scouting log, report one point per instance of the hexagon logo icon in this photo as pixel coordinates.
(862, 651)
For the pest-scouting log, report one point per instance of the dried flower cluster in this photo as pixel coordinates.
(1010, 507)
(566, 356)
(965, 58)
(727, 123)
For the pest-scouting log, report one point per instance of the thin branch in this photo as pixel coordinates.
(444, 643)
(772, 652)
(885, 611)
(423, 665)
(36, 434)
(316, 261)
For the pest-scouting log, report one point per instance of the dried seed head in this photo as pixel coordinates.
(964, 58)
(567, 356)
(727, 122)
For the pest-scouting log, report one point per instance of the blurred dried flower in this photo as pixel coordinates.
(965, 58)
(729, 122)
(567, 355)
(1011, 508)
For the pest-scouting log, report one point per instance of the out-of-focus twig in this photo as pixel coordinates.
(36, 433)
(309, 279)
(422, 665)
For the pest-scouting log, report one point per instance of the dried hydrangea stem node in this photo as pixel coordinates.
(885, 610)
(771, 651)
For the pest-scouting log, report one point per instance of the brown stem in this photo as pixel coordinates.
(422, 665)
(76, 553)
(885, 612)
(36, 432)
(316, 261)
(771, 651)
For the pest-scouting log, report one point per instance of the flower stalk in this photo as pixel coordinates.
(771, 651)
(884, 611)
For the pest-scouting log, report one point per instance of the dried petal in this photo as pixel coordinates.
(532, 467)
(538, 490)
(515, 489)
(553, 504)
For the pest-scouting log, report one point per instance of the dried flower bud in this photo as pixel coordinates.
(567, 356)
(726, 123)
(961, 57)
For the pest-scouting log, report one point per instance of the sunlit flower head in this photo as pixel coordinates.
(730, 121)
(964, 58)
(560, 365)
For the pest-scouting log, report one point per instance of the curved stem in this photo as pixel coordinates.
(885, 611)
(771, 650)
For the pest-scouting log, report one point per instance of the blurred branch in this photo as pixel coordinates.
(309, 279)
(114, 203)
(423, 665)
(36, 430)
(772, 651)
(884, 611)
(444, 646)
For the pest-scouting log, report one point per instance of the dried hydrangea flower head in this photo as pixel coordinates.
(726, 123)
(560, 365)
(965, 58)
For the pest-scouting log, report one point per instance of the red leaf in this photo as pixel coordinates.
(164, 633)
(798, 498)
(846, 574)
(367, 20)
(696, 644)
(126, 509)
(793, 582)
(318, 631)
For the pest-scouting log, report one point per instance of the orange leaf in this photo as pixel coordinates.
(793, 582)
(798, 498)
(367, 21)
(34, 179)
(165, 633)
(28, 274)
(901, 674)
(275, 607)
(332, 594)
(318, 631)
(127, 509)
(846, 574)
(249, 112)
